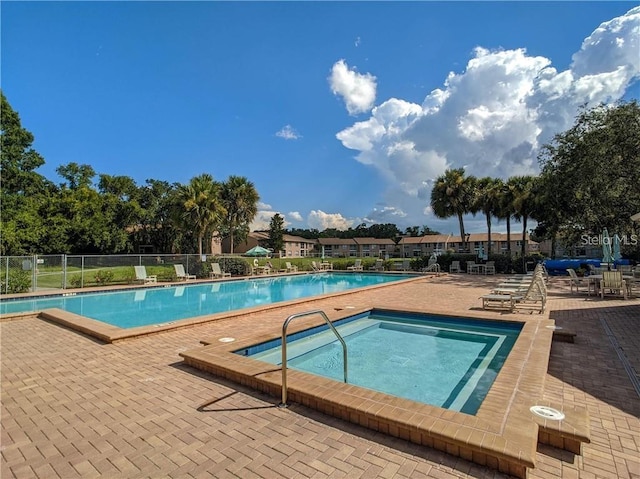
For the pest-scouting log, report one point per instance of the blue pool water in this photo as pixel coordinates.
(445, 362)
(158, 305)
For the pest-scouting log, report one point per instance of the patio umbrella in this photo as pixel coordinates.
(616, 248)
(258, 251)
(607, 254)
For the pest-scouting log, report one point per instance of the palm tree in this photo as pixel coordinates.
(506, 210)
(240, 199)
(487, 200)
(524, 198)
(200, 206)
(452, 195)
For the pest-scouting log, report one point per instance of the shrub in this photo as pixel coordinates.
(103, 277)
(19, 281)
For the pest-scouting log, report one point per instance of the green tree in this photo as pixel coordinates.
(276, 233)
(240, 200)
(486, 199)
(200, 207)
(524, 203)
(506, 210)
(594, 168)
(24, 193)
(452, 195)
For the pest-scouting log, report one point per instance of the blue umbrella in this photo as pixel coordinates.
(607, 254)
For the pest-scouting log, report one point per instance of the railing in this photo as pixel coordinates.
(284, 348)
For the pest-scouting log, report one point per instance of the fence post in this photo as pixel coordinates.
(34, 273)
(64, 271)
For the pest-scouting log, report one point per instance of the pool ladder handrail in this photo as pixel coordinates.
(284, 348)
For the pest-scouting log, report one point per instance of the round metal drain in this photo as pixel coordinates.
(226, 340)
(547, 413)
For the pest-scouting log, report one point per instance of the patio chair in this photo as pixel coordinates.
(575, 282)
(141, 275)
(378, 266)
(535, 298)
(216, 272)
(455, 267)
(180, 273)
(315, 267)
(290, 268)
(612, 283)
(490, 267)
(471, 267)
(357, 266)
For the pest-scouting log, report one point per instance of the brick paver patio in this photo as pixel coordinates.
(75, 407)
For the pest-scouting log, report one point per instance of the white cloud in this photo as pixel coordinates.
(321, 221)
(288, 133)
(358, 90)
(295, 216)
(492, 117)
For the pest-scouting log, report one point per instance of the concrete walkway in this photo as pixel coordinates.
(74, 407)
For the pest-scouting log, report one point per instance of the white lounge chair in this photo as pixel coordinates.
(378, 266)
(216, 272)
(290, 268)
(181, 274)
(575, 282)
(141, 275)
(357, 266)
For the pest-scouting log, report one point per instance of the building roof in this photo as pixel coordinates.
(381, 241)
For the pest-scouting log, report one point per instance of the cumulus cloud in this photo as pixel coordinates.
(295, 216)
(492, 118)
(321, 221)
(357, 90)
(288, 133)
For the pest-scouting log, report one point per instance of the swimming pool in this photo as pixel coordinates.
(445, 362)
(158, 305)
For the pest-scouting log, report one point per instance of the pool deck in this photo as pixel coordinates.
(73, 406)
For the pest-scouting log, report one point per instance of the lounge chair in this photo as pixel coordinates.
(575, 281)
(180, 273)
(535, 298)
(141, 275)
(612, 283)
(357, 266)
(289, 268)
(216, 272)
(455, 267)
(315, 267)
(378, 266)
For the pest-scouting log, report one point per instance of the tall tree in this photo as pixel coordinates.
(506, 210)
(240, 200)
(24, 193)
(486, 199)
(452, 195)
(596, 170)
(524, 198)
(200, 207)
(276, 233)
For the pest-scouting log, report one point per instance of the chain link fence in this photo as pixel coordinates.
(22, 274)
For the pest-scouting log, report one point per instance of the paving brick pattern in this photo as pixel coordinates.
(74, 407)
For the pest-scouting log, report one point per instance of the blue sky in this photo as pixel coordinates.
(339, 113)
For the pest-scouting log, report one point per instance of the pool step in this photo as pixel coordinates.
(568, 434)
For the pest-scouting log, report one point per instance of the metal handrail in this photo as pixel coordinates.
(284, 348)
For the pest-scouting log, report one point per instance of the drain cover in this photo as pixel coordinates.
(547, 413)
